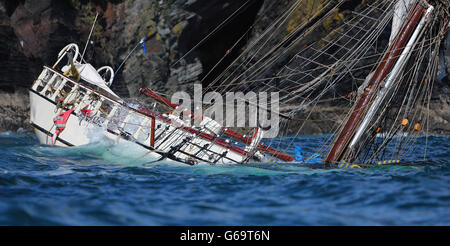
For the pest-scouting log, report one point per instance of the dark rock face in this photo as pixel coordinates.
(15, 65)
(215, 29)
(14, 110)
(32, 32)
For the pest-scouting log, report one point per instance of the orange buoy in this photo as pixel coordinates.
(404, 122)
(417, 127)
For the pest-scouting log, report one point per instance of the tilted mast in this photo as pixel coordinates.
(390, 65)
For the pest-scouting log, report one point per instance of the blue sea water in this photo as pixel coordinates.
(107, 184)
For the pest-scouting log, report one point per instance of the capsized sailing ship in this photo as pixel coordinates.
(70, 100)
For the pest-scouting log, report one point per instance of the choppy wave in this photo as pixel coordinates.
(112, 184)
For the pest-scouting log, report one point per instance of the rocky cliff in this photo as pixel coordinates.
(32, 32)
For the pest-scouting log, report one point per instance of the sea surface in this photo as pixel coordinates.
(108, 184)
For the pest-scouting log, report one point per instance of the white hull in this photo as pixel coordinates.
(155, 134)
(77, 131)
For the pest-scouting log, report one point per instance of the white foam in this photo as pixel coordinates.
(59, 171)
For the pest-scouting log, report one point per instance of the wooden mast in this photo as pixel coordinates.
(383, 69)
